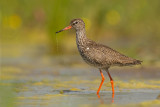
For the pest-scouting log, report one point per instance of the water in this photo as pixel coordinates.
(49, 82)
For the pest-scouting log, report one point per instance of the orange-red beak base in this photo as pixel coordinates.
(66, 28)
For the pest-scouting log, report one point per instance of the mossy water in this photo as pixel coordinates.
(46, 83)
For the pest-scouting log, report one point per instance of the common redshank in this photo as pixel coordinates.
(98, 55)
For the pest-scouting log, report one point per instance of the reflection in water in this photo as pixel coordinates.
(102, 101)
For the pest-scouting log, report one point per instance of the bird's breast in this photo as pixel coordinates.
(88, 56)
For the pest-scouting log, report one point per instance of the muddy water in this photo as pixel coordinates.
(64, 82)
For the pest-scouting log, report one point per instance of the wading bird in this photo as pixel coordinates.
(98, 55)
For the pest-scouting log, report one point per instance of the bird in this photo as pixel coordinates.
(98, 55)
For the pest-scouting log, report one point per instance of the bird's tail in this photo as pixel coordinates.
(132, 62)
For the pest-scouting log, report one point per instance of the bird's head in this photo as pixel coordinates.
(77, 24)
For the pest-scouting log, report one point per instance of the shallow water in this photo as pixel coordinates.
(76, 98)
(63, 82)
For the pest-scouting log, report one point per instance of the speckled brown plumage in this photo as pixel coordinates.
(98, 55)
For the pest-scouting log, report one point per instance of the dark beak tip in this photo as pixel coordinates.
(59, 31)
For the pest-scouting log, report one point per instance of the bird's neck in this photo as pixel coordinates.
(81, 37)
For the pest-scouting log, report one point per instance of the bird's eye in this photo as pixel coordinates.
(75, 23)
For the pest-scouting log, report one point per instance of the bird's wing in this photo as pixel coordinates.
(107, 56)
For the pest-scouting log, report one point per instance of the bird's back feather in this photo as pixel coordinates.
(103, 56)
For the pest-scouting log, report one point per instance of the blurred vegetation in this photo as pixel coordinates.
(131, 27)
(27, 28)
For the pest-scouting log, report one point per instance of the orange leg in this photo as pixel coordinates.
(101, 83)
(111, 82)
(112, 86)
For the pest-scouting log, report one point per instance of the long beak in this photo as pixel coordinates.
(66, 28)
